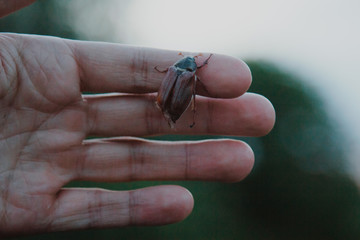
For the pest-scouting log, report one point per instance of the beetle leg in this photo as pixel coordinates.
(203, 86)
(193, 103)
(161, 71)
(205, 62)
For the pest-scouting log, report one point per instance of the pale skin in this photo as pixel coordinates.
(45, 120)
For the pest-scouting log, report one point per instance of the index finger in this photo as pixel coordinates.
(106, 67)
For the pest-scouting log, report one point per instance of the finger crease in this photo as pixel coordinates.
(187, 160)
(209, 113)
(81, 160)
(132, 206)
(94, 210)
(136, 161)
(139, 69)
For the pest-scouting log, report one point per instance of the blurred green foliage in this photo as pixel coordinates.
(44, 17)
(298, 188)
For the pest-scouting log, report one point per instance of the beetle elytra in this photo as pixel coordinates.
(178, 88)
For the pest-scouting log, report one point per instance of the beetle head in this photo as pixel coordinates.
(187, 63)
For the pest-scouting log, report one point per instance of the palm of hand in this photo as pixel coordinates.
(44, 120)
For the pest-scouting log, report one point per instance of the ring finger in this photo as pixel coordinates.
(132, 159)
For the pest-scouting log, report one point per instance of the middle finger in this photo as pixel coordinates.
(137, 115)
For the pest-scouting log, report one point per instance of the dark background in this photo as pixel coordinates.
(298, 188)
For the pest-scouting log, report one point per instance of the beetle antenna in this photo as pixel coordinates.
(205, 62)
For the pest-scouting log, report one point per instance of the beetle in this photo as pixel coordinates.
(178, 88)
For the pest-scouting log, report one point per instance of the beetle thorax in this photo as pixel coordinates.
(187, 64)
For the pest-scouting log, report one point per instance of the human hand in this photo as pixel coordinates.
(45, 120)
